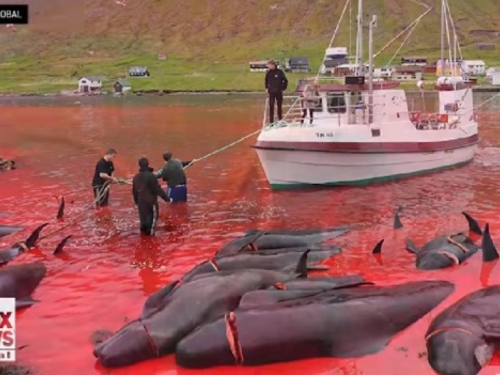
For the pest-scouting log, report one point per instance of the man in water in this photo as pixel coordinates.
(145, 191)
(103, 172)
(175, 177)
(276, 82)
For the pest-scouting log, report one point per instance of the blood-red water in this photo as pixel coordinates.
(108, 270)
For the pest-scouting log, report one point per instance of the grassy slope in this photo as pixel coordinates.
(208, 42)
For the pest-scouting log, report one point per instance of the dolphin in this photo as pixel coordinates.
(345, 323)
(299, 288)
(463, 337)
(298, 232)
(7, 255)
(282, 261)
(5, 230)
(264, 240)
(176, 310)
(446, 251)
(19, 282)
(60, 211)
(473, 224)
(253, 250)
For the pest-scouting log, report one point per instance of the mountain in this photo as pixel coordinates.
(213, 40)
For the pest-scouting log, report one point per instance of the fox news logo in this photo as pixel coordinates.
(7, 329)
(13, 14)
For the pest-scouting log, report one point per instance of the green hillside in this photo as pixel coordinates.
(208, 43)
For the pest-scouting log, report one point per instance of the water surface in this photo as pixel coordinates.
(109, 270)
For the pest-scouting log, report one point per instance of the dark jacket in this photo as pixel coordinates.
(173, 172)
(145, 188)
(276, 81)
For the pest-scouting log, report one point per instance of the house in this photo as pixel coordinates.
(89, 84)
(261, 65)
(473, 67)
(297, 64)
(122, 86)
(430, 68)
(485, 46)
(414, 61)
(408, 73)
(491, 71)
(386, 72)
(495, 79)
(138, 71)
(329, 66)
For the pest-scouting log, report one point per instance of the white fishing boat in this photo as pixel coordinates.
(364, 132)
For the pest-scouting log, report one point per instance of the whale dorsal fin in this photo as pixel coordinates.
(489, 251)
(378, 247)
(397, 221)
(301, 268)
(410, 246)
(473, 224)
(61, 244)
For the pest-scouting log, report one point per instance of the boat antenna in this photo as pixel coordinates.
(359, 42)
(443, 63)
(350, 27)
(332, 39)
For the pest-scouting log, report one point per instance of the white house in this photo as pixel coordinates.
(386, 72)
(491, 71)
(473, 67)
(495, 79)
(89, 84)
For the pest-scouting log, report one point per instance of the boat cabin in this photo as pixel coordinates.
(349, 104)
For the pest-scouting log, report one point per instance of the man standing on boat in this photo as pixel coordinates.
(275, 82)
(145, 191)
(175, 177)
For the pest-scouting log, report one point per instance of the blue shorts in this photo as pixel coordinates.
(177, 193)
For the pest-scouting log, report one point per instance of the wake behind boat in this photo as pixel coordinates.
(363, 132)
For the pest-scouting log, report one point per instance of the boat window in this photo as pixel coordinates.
(336, 103)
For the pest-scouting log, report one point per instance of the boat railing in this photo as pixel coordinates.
(296, 111)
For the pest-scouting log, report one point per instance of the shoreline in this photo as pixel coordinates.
(479, 88)
(137, 93)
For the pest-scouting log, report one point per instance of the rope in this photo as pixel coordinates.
(415, 24)
(106, 187)
(333, 38)
(410, 26)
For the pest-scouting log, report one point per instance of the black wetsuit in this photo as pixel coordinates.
(102, 166)
(276, 82)
(146, 190)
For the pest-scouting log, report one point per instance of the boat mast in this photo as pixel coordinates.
(373, 24)
(443, 27)
(359, 40)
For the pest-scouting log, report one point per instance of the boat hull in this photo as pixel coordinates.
(288, 169)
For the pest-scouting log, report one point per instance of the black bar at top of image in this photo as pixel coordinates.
(13, 14)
